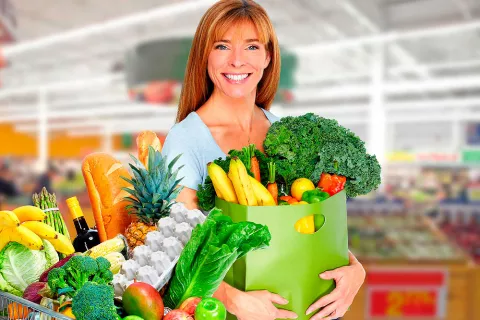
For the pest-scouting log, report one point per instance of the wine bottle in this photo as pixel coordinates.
(86, 237)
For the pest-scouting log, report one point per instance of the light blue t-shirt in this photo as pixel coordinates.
(192, 138)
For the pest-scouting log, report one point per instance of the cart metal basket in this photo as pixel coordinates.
(16, 308)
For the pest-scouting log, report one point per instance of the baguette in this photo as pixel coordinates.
(144, 140)
(102, 174)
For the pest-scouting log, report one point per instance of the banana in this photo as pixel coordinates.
(29, 213)
(243, 187)
(62, 244)
(5, 237)
(221, 183)
(23, 236)
(264, 198)
(41, 229)
(8, 219)
(218, 193)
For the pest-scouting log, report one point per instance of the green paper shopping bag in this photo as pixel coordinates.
(291, 265)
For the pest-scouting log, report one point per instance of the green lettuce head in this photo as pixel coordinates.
(20, 266)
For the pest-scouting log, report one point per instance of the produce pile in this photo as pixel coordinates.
(300, 153)
(166, 262)
(157, 259)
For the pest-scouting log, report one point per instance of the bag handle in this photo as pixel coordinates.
(310, 224)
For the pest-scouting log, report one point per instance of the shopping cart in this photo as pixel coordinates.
(16, 308)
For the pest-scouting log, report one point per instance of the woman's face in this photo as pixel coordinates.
(237, 61)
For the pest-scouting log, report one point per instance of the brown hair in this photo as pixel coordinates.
(197, 86)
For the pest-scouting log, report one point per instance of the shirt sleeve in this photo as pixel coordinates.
(176, 144)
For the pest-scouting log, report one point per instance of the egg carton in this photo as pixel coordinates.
(155, 261)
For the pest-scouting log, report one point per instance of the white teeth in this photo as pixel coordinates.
(236, 77)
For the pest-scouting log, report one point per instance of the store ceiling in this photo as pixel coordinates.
(299, 25)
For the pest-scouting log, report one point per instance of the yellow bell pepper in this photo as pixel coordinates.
(306, 225)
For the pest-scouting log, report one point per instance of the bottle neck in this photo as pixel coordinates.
(76, 211)
(81, 225)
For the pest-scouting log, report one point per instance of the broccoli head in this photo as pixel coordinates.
(308, 145)
(79, 269)
(104, 275)
(56, 279)
(94, 302)
(103, 264)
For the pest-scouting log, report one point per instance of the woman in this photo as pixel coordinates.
(231, 78)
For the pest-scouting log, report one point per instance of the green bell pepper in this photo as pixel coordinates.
(314, 196)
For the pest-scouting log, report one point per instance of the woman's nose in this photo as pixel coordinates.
(236, 59)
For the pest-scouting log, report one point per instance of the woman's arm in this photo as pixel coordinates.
(189, 198)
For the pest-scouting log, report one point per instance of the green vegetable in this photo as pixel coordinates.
(56, 279)
(79, 270)
(206, 192)
(20, 266)
(308, 145)
(210, 309)
(213, 248)
(45, 200)
(51, 254)
(94, 302)
(6, 287)
(314, 196)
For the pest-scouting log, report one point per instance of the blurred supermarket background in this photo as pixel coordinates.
(79, 76)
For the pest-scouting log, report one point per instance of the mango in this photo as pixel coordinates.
(142, 300)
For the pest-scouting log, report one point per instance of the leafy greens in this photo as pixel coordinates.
(20, 266)
(308, 145)
(213, 248)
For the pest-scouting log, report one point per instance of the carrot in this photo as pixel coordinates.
(254, 164)
(252, 161)
(272, 184)
(17, 311)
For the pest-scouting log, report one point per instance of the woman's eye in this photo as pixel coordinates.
(253, 47)
(221, 47)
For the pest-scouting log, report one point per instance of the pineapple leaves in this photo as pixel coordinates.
(132, 200)
(156, 197)
(172, 163)
(132, 192)
(152, 157)
(155, 189)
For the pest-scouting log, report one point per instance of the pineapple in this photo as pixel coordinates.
(154, 192)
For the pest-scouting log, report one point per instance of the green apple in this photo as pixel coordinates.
(210, 309)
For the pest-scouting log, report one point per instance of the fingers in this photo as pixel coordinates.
(324, 301)
(329, 312)
(285, 314)
(336, 274)
(275, 298)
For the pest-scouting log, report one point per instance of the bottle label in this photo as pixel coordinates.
(76, 212)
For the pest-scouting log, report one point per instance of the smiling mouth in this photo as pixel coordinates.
(236, 78)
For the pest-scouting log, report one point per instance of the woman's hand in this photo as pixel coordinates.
(253, 305)
(348, 281)
(259, 305)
